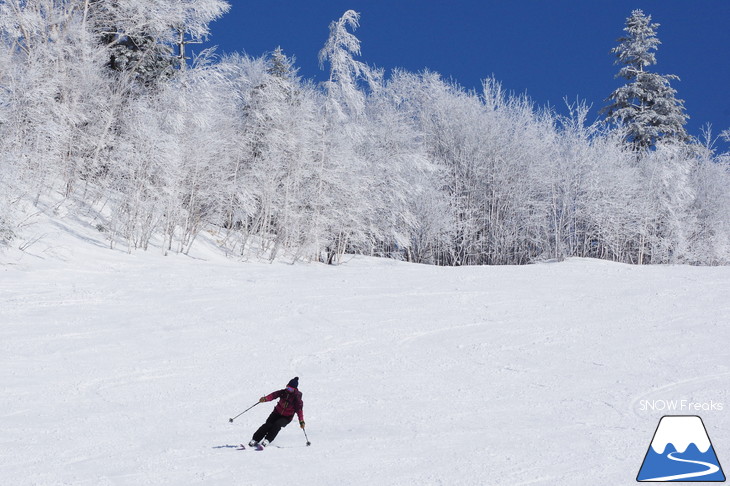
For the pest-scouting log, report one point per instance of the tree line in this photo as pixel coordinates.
(100, 106)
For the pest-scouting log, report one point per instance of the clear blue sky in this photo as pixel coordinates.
(549, 49)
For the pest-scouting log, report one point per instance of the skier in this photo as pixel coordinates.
(290, 402)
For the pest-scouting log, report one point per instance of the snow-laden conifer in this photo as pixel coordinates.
(646, 105)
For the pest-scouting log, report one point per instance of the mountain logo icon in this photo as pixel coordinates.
(681, 451)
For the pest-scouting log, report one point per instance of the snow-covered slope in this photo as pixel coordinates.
(122, 369)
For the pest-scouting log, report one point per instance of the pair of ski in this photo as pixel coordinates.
(257, 447)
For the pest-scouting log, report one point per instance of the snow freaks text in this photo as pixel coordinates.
(680, 406)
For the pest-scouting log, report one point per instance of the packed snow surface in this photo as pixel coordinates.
(123, 369)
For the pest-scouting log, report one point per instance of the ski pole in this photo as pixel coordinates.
(305, 436)
(249, 408)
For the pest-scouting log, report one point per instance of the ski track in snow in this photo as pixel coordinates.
(123, 369)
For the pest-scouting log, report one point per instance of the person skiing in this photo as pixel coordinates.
(290, 403)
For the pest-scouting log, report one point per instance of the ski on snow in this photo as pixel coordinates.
(257, 447)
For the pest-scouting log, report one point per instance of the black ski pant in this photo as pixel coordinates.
(271, 428)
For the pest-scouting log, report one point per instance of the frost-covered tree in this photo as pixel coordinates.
(711, 205)
(134, 39)
(341, 198)
(345, 71)
(276, 127)
(56, 94)
(148, 38)
(646, 105)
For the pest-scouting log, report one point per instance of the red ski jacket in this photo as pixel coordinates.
(289, 403)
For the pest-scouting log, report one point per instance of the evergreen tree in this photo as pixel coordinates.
(646, 105)
(280, 65)
(142, 36)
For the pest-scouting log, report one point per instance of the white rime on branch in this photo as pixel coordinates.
(100, 107)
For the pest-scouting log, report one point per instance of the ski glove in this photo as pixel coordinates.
(301, 423)
(262, 399)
